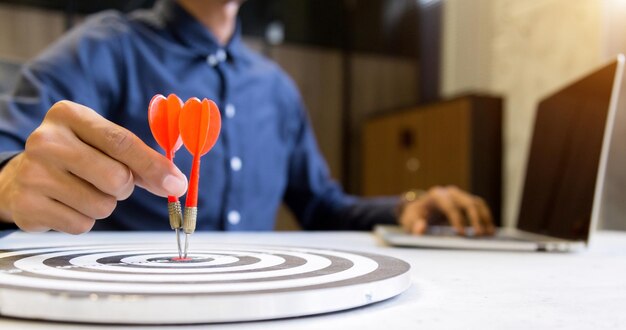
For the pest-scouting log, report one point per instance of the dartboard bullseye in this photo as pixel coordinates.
(216, 283)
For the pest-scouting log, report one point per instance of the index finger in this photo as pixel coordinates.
(485, 215)
(446, 205)
(151, 170)
(467, 203)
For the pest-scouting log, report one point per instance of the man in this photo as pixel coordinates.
(68, 163)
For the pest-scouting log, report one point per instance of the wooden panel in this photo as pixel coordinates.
(445, 151)
(409, 138)
(377, 139)
(25, 31)
(417, 149)
(391, 161)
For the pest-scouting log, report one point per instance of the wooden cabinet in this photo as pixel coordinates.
(456, 142)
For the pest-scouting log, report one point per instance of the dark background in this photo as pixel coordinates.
(378, 26)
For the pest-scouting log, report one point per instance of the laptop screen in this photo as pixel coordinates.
(564, 157)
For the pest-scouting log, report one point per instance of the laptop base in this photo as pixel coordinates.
(505, 239)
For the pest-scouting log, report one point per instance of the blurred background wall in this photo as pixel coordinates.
(522, 50)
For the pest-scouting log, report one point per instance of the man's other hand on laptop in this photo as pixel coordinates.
(440, 205)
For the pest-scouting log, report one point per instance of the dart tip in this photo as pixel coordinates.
(186, 246)
(180, 252)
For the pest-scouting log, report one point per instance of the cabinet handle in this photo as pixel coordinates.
(406, 138)
(413, 164)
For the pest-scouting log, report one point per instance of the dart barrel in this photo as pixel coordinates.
(189, 223)
(176, 214)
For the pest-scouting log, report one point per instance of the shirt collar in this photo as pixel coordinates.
(193, 34)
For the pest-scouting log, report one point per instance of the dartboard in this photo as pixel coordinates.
(148, 284)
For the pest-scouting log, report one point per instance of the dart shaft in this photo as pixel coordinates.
(180, 249)
(171, 199)
(189, 226)
(192, 192)
(186, 246)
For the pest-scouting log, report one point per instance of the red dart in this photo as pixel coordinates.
(200, 124)
(163, 116)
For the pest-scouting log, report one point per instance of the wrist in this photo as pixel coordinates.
(407, 198)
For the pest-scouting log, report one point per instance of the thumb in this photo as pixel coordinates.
(170, 183)
(419, 226)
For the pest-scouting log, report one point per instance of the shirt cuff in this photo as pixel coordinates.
(6, 228)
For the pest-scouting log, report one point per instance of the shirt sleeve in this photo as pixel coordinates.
(317, 200)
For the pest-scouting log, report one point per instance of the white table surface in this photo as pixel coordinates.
(450, 290)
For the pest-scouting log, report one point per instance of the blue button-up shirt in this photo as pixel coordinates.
(266, 152)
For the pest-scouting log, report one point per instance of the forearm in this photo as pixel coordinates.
(368, 212)
(355, 214)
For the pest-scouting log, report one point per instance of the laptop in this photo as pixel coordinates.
(565, 173)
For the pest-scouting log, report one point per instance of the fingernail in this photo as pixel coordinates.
(174, 185)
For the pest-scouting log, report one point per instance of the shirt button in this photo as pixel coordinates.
(212, 60)
(230, 110)
(234, 217)
(220, 55)
(235, 163)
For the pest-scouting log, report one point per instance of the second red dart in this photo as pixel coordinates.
(200, 124)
